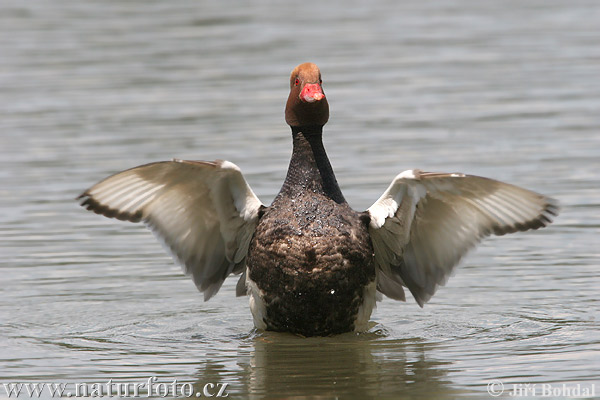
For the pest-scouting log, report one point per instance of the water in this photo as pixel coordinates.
(505, 89)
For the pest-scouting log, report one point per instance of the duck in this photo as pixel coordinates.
(308, 263)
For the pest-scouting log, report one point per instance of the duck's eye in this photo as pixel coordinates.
(297, 82)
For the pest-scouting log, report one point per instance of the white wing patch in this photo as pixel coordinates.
(205, 213)
(424, 223)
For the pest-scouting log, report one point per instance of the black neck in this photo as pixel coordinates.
(309, 168)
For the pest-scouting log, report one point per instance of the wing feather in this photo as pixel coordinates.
(205, 213)
(424, 223)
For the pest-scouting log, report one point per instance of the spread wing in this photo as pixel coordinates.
(424, 223)
(204, 212)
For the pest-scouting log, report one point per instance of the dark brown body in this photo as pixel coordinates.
(311, 256)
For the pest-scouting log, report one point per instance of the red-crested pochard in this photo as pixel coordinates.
(310, 264)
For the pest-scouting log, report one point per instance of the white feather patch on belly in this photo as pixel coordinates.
(366, 308)
(257, 305)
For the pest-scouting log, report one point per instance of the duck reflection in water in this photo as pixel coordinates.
(279, 365)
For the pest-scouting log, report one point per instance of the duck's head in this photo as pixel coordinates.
(306, 106)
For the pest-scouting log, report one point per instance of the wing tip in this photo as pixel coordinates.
(549, 210)
(420, 296)
(90, 204)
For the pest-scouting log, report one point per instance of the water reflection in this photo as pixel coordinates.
(359, 366)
